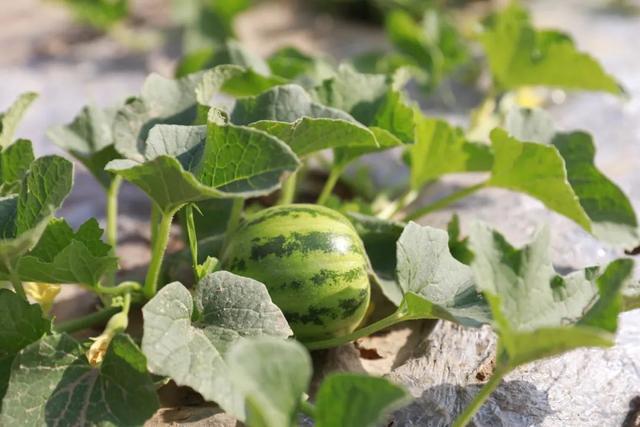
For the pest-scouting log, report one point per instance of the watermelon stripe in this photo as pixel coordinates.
(296, 212)
(286, 245)
(313, 263)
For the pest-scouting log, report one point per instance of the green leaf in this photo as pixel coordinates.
(379, 237)
(10, 119)
(308, 135)
(537, 170)
(272, 376)
(243, 160)
(185, 164)
(101, 14)
(610, 212)
(24, 217)
(286, 103)
(21, 324)
(432, 44)
(89, 138)
(15, 161)
(226, 308)
(211, 55)
(52, 382)
(162, 101)
(206, 23)
(372, 99)
(519, 55)
(344, 155)
(290, 63)
(62, 256)
(459, 247)
(440, 149)
(233, 80)
(436, 285)
(537, 312)
(355, 400)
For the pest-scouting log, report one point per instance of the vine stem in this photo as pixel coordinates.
(155, 219)
(308, 408)
(445, 201)
(85, 322)
(112, 220)
(399, 204)
(159, 246)
(334, 175)
(122, 288)
(398, 316)
(112, 211)
(236, 215)
(288, 192)
(467, 416)
(192, 237)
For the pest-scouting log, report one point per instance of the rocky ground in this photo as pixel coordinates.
(43, 51)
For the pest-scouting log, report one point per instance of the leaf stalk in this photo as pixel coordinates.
(445, 201)
(159, 246)
(307, 408)
(288, 192)
(85, 322)
(112, 211)
(397, 316)
(330, 183)
(467, 415)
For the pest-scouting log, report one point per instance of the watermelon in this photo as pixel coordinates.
(313, 263)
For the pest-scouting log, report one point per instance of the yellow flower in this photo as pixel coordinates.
(42, 293)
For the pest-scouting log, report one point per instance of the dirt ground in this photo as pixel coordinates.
(70, 66)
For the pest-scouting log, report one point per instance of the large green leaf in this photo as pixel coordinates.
(286, 103)
(537, 170)
(21, 324)
(53, 383)
(537, 312)
(272, 375)
(610, 212)
(233, 80)
(309, 135)
(432, 44)
(344, 155)
(356, 400)
(225, 308)
(519, 55)
(436, 285)
(440, 149)
(458, 245)
(24, 217)
(10, 118)
(183, 164)
(379, 237)
(65, 256)
(89, 138)
(372, 99)
(162, 101)
(206, 23)
(290, 63)
(15, 161)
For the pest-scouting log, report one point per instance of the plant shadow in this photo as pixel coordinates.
(514, 403)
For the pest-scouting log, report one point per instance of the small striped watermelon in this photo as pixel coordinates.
(313, 263)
